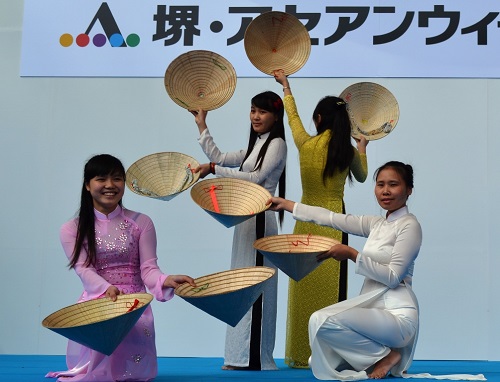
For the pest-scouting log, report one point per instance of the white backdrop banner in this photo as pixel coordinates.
(350, 38)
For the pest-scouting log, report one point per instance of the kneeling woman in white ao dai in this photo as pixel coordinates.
(375, 332)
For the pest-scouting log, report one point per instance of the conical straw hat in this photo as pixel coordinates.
(162, 175)
(373, 110)
(99, 324)
(200, 79)
(227, 295)
(230, 201)
(277, 40)
(295, 255)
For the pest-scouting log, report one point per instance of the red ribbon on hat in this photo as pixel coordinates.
(136, 303)
(296, 243)
(214, 196)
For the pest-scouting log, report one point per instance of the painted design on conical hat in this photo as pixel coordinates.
(163, 175)
(230, 201)
(373, 110)
(99, 324)
(200, 79)
(294, 254)
(227, 295)
(277, 40)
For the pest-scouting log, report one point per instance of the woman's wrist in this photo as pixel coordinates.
(354, 254)
(361, 148)
(212, 168)
(290, 204)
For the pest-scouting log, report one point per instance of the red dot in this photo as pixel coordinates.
(82, 40)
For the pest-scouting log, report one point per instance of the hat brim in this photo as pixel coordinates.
(200, 79)
(230, 201)
(227, 295)
(372, 108)
(294, 254)
(99, 324)
(277, 40)
(163, 175)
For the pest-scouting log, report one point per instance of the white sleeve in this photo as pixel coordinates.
(229, 159)
(351, 224)
(275, 156)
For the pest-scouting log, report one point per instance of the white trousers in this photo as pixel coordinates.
(346, 342)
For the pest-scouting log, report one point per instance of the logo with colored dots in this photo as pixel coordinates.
(111, 33)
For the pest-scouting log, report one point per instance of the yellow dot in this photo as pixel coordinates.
(66, 40)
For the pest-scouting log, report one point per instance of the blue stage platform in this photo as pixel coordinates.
(32, 368)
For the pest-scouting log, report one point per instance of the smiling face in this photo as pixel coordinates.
(262, 120)
(391, 190)
(106, 192)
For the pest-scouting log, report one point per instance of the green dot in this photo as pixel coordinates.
(133, 40)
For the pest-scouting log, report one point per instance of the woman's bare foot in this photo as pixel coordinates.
(385, 365)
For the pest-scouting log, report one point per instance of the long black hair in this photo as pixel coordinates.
(273, 103)
(99, 165)
(331, 114)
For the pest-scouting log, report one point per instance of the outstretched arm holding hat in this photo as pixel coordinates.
(280, 77)
(200, 118)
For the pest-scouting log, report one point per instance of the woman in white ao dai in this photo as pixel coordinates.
(374, 333)
(250, 344)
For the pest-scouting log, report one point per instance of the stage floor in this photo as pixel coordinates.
(27, 368)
